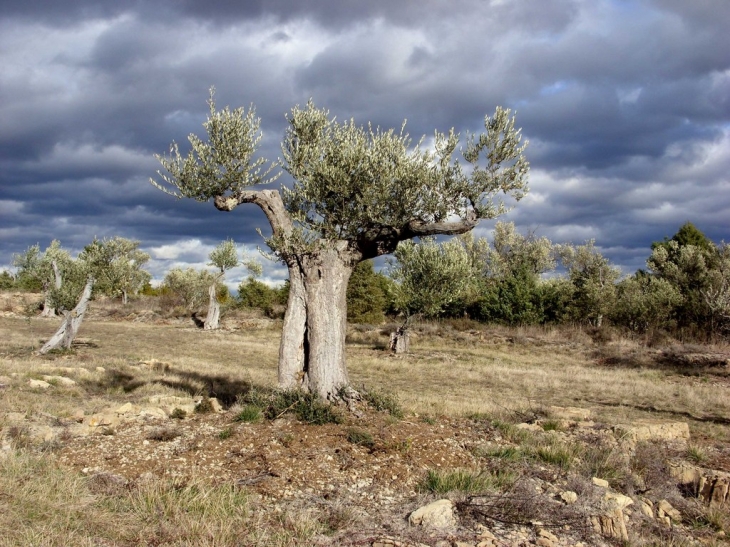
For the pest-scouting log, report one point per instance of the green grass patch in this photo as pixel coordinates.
(360, 437)
(249, 414)
(466, 481)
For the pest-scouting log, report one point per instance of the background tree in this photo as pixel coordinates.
(367, 295)
(42, 271)
(188, 286)
(593, 280)
(73, 296)
(690, 263)
(645, 302)
(118, 266)
(428, 277)
(511, 291)
(223, 257)
(7, 280)
(357, 193)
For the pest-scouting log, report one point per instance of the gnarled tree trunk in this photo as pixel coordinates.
(292, 346)
(48, 309)
(400, 340)
(326, 274)
(65, 335)
(214, 309)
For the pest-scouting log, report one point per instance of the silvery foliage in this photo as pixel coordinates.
(116, 264)
(190, 285)
(354, 182)
(351, 182)
(429, 276)
(513, 251)
(38, 266)
(223, 165)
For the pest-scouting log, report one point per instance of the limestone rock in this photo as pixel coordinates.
(646, 430)
(614, 499)
(126, 408)
(38, 384)
(647, 507)
(600, 482)
(665, 509)
(569, 497)
(714, 488)
(438, 514)
(611, 524)
(571, 413)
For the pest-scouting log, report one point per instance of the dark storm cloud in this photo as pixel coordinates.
(626, 104)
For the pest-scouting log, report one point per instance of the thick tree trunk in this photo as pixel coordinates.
(326, 275)
(70, 327)
(292, 346)
(214, 310)
(48, 309)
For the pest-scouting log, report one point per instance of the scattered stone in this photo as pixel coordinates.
(688, 476)
(125, 408)
(665, 509)
(546, 538)
(78, 415)
(617, 500)
(438, 514)
(569, 497)
(106, 419)
(600, 482)
(215, 405)
(102, 370)
(647, 508)
(155, 365)
(38, 384)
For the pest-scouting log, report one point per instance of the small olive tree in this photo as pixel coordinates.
(44, 270)
(118, 266)
(428, 277)
(224, 257)
(357, 192)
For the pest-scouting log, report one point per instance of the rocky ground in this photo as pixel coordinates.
(549, 476)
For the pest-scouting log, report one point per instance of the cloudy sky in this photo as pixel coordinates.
(626, 104)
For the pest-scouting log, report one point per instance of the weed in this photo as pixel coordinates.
(696, 454)
(178, 414)
(552, 425)
(249, 414)
(163, 434)
(360, 437)
(466, 481)
(225, 434)
(430, 420)
(508, 453)
(383, 402)
(204, 406)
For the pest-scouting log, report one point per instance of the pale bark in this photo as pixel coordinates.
(48, 309)
(214, 309)
(292, 373)
(64, 336)
(326, 275)
(125, 298)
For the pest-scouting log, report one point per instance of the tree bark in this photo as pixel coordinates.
(64, 336)
(292, 347)
(48, 309)
(326, 274)
(125, 298)
(214, 310)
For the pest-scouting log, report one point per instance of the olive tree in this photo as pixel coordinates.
(593, 278)
(223, 257)
(357, 192)
(428, 277)
(118, 266)
(44, 270)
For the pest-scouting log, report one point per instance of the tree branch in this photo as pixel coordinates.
(270, 203)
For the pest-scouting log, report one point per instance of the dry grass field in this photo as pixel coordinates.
(116, 441)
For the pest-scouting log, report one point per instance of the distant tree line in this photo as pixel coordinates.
(513, 280)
